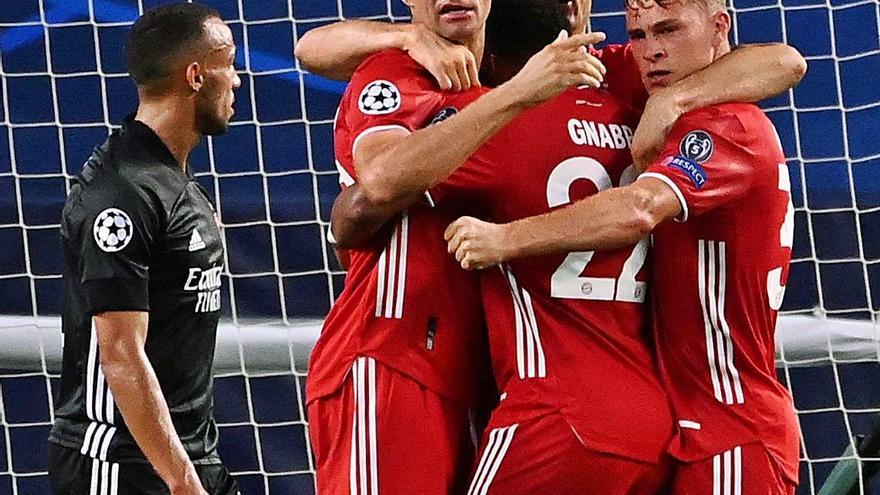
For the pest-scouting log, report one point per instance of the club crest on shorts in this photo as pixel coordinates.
(112, 230)
(697, 146)
(444, 114)
(379, 97)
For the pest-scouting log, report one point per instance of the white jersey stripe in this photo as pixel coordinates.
(90, 373)
(105, 444)
(353, 464)
(362, 425)
(727, 473)
(374, 459)
(401, 274)
(97, 440)
(96, 473)
(533, 324)
(114, 478)
(716, 475)
(520, 324)
(100, 388)
(393, 261)
(380, 282)
(486, 460)
(520, 339)
(710, 341)
(87, 440)
(722, 289)
(105, 478)
(508, 438)
(713, 318)
(527, 326)
(737, 471)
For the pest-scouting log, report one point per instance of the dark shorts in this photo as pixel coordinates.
(71, 473)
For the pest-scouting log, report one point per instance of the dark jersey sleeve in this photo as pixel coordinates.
(118, 226)
(706, 161)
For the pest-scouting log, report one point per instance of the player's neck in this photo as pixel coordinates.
(174, 125)
(477, 45)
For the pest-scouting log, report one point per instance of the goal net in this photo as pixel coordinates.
(63, 87)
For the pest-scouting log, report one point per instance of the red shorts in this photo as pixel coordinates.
(543, 455)
(384, 433)
(745, 470)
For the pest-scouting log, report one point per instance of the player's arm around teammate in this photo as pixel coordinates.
(608, 220)
(336, 50)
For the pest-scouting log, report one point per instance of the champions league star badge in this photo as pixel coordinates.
(112, 230)
(697, 146)
(379, 98)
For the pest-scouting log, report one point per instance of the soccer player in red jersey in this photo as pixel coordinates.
(717, 201)
(399, 362)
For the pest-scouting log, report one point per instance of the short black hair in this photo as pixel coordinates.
(159, 35)
(520, 28)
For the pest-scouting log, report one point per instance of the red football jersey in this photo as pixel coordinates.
(406, 303)
(622, 77)
(719, 278)
(568, 333)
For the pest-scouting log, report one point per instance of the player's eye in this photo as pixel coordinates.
(637, 35)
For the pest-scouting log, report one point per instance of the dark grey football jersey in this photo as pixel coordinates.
(139, 234)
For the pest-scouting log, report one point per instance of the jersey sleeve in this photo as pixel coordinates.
(389, 91)
(118, 228)
(706, 161)
(623, 78)
(474, 180)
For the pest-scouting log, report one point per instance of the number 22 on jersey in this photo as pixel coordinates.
(568, 281)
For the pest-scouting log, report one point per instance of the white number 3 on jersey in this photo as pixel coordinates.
(775, 289)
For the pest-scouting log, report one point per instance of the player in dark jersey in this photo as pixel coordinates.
(721, 266)
(144, 259)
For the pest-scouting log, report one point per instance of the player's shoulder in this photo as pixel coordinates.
(741, 123)
(392, 64)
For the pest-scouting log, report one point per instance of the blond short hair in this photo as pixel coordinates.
(710, 4)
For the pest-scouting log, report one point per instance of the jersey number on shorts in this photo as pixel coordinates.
(567, 282)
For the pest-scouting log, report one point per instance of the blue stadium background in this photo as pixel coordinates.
(829, 128)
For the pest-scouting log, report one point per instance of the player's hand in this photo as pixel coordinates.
(661, 112)
(452, 65)
(560, 65)
(476, 244)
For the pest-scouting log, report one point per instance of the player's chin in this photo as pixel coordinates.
(460, 31)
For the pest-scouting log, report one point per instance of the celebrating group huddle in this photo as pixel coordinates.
(566, 284)
(633, 224)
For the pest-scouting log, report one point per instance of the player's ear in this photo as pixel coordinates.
(721, 23)
(194, 76)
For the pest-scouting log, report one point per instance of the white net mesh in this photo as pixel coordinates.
(273, 178)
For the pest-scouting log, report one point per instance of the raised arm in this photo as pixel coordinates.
(336, 50)
(395, 166)
(749, 73)
(611, 219)
(121, 339)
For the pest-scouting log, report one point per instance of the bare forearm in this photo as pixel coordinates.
(749, 74)
(336, 50)
(614, 219)
(137, 394)
(429, 155)
(355, 219)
